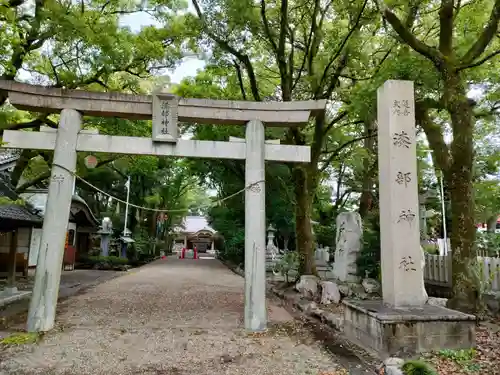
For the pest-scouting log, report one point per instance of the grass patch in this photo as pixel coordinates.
(463, 357)
(21, 338)
(418, 368)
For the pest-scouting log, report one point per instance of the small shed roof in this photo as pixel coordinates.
(80, 211)
(8, 158)
(194, 224)
(12, 214)
(127, 239)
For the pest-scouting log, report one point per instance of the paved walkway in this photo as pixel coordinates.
(179, 317)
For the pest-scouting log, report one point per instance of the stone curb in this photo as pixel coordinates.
(311, 309)
(307, 307)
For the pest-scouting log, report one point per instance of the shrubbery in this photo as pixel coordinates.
(418, 368)
(233, 250)
(369, 258)
(488, 243)
(103, 262)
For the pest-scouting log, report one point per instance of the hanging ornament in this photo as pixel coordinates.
(90, 161)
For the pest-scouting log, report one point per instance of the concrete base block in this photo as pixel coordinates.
(404, 332)
(9, 291)
(7, 297)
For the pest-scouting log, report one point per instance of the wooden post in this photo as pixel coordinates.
(11, 276)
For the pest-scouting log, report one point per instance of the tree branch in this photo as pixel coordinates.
(267, 30)
(485, 38)
(311, 44)
(335, 120)
(240, 79)
(407, 36)
(244, 59)
(434, 135)
(344, 42)
(479, 62)
(24, 186)
(335, 79)
(337, 152)
(446, 27)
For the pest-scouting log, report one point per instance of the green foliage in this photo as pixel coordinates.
(7, 201)
(415, 367)
(463, 357)
(111, 260)
(431, 249)
(21, 338)
(488, 243)
(288, 262)
(484, 279)
(325, 213)
(142, 245)
(369, 258)
(234, 248)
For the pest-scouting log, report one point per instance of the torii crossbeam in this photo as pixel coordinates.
(165, 110)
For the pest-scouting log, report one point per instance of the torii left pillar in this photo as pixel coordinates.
(48, 275)
(255, 229)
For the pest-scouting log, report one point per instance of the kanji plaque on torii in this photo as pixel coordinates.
(166, 110)
(165, 117)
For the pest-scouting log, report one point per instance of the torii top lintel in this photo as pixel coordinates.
(203, 111)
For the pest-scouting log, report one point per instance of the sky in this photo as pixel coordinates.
(135, 21)
(188, 67)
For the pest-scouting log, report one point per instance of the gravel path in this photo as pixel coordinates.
(179, 317)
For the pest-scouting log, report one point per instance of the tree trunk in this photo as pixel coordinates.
(303, 208)
(152, 225)
(21, 164)
(465, 275)
(366, 198)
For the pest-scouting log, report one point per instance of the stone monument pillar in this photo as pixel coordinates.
(347, 246)
(399, 223)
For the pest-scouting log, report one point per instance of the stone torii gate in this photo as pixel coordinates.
(165, 110)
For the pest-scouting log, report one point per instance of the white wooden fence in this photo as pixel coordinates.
(438, 271)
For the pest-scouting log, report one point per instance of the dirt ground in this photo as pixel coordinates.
(173, 316)
(13, 316)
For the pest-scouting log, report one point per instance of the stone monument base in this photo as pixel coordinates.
(403, 332)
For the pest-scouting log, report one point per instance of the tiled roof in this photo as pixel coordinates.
(18, 213)
(38, 199)
(193, 224)
(7, 155)
(12, 211)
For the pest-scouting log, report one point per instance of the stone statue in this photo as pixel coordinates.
(348, 245)
(105, 232)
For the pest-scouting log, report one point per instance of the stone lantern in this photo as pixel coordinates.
(272, 253)
(270, 235)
